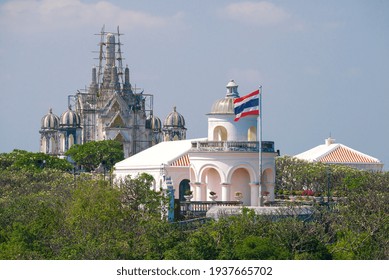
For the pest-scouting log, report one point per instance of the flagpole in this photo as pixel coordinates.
(259, 121)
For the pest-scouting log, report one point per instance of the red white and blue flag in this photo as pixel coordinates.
(247, 105)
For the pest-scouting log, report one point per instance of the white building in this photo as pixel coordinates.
(225, 162)
(335, 153)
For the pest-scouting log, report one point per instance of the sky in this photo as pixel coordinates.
(323, 65)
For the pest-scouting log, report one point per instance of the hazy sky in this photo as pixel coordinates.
(323, 65)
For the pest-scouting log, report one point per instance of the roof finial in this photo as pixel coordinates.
(329, 141)
(232, 89)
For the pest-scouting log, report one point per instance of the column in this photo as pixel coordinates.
(254, 194)
(270, 186)
(199, 192)
(226, 191)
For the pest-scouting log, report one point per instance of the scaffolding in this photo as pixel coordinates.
(85, 105)
(90, 103)
(102, 55)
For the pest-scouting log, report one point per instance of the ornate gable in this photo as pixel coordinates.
(117, 122)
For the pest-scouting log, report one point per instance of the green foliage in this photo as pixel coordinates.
(198, 245)
(23, 160)
(95, 223)
(90, 155)
(260, 248)
(31, 213)
(296, 175)
(50, 214)
(362, 221)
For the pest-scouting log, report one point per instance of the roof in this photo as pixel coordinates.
(332, 152)
(165, 153)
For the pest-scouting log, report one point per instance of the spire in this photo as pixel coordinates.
(110, 59)
(126, 75)
(93, 86)
(114, 79)
(94, 79)
(127, 85)
(110, 50)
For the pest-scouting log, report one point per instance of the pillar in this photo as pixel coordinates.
(270, 186)
(254, 194)
(226, 191)
(199, 191)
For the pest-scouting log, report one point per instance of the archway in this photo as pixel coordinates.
(268, 182)
(184, 186)
(240, 182)
(220, 133)
(212, 180)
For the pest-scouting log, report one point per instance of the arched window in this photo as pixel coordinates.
(43, 145)
(62, 143)
(220, 133)
(252, 134)
(70, 140)
(52, 147)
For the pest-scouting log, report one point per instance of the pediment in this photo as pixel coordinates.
(117, 122)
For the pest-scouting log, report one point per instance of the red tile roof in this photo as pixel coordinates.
(182, 161)
(343, 154)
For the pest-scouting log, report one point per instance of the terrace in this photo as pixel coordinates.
(233, 146)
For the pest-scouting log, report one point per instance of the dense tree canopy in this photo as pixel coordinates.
(47, 213)
(91, 154)
(20, 159)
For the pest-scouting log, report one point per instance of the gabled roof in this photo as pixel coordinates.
(332, 152)
(171, 153)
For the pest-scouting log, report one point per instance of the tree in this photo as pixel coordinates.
(91, 154)
(23, 160)
(361, 222)
(260, 248)
(296, 174)
(32, 212)
(96, 224)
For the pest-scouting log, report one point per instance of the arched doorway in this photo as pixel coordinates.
(240, 182)
(212, 181)
(184, 186)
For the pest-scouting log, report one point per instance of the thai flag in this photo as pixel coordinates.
(246, 105)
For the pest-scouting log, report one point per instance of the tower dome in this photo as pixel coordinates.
(225, 106)
(50, 121)
(70, 119)
(174, 119)
(174, 127)
(153, 123)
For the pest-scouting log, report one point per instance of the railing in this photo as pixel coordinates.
(192, 224)
(223, 146)
(200, 208)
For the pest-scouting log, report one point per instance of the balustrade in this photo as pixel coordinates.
(245, 146)
(200, 208)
